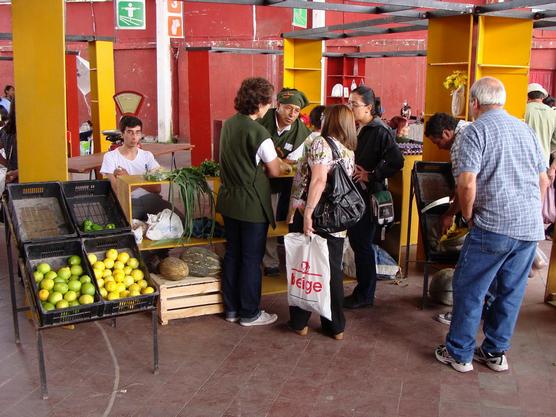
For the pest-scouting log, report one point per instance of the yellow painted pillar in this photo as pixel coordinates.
(39, 72)
(101, 57)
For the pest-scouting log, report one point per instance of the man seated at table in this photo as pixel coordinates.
(129, 159)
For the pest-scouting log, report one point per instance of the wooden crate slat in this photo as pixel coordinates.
(198, 289)
(174, 303)
(191, 312)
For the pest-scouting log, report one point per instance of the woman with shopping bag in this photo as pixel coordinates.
(338, 130)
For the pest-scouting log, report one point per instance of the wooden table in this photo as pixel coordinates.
(87, 163)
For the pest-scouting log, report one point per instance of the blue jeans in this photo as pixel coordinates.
(486, 257)
(241, 275)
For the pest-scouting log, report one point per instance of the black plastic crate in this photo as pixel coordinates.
(94, 200)
(39, 212)
(98, 246)
(56, 255)
(432, 181)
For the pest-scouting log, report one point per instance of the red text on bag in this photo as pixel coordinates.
(304, 281)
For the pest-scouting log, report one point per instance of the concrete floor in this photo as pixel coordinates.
(208, 367)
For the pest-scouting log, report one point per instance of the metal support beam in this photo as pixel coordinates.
(429, 4)
(511, 4)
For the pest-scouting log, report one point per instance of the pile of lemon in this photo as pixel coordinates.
(118, 275)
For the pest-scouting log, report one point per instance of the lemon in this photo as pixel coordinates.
(123, 257)
(142, 283)
(98, 273)
(108, 263)
(124, 294)
(43, 295)
(50, 275)
(86, 299)
(134, 293)
(110, 286)
(118, 275)
(127, 270)
(134, 287)
(99, 265)
(133, 262)
(47, 284)
(62, 304)
(100, 282)
(114, 295)
(137, 275)
(103, 292)
(120, 287)
(128, 280)
(54, 297)
(92, 258)
(119, 265)
(147, 290)
(106, 273)
(109, 278)
(70, 296)
(43, 268)
(112, 254)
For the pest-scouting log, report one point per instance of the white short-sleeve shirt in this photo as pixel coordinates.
(144, 161)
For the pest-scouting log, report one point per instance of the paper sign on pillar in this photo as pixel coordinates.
(175, 19)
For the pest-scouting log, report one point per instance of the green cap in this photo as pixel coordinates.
(292, 96)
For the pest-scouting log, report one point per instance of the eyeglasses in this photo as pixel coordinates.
(355, 104)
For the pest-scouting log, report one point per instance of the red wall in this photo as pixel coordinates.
(394, 79)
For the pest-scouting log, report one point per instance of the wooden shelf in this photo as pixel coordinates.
(435, 64)
(302, 69)
(456, 117)
(503, 66)
(146, 244)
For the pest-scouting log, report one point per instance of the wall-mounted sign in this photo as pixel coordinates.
(131, 14)
(175, 19)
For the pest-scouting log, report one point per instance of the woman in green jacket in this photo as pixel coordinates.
(247, 158)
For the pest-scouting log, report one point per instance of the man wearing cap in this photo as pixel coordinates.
(542, 119)
(288, 134)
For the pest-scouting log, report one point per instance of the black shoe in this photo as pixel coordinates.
(351, 302)
(272, 271)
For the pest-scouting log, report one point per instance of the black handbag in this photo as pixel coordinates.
(341, 205)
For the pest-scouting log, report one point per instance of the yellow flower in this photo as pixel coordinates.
(455, 80)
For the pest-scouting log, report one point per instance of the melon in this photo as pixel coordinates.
(202, 262)
(440, 288)
(173, 268)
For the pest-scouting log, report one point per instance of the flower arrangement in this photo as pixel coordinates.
(455, 80)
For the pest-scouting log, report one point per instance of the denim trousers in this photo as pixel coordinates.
(361, 237)
(241, 275)
(487, 257)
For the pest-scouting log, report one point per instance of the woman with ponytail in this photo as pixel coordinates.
(377, 157)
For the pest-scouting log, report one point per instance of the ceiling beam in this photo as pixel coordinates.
(429, 4)
(511, 4)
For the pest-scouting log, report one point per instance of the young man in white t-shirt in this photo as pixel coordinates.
(129, 159)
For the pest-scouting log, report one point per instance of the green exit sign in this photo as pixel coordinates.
(130, 14)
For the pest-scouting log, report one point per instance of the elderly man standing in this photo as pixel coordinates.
(288, 134)
(501, 179)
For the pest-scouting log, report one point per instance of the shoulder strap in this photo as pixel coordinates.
(335, 151)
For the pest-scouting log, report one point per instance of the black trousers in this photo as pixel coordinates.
(361, 238)
(299, 317)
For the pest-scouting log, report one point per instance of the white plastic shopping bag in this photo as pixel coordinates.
(164, 225)
(308, 273)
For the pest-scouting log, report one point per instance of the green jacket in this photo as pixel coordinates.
(245, 190)
(287, 141)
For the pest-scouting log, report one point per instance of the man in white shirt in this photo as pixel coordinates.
(130, 159)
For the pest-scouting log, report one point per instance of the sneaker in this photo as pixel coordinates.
(442, 355)
(232, 317)
(444, 318)
(495, 361)
(263, 319)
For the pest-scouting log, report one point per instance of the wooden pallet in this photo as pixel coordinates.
(190, 297)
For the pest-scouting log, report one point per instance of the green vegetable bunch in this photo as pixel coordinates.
(90, 226)
(210, 168)
(192, 188)
(455, 80)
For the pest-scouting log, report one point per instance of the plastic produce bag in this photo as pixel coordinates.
(308, 273)
(164, 225)
(549, 205)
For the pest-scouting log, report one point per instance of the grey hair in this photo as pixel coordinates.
(488, 91)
